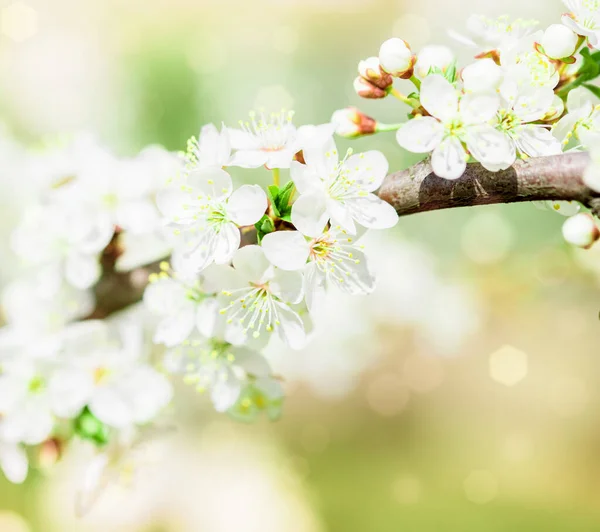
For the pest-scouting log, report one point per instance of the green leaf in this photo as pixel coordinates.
(283, 199)
(264, 226)
(89, 427)
(273, 194)
(451, 73)
(593, 89)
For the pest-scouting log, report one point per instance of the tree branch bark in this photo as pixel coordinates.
(417, 189)
(557, 177)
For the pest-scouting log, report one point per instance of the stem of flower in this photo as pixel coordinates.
(416, 82)
(387, 127)
(276, 176)
(397, 94)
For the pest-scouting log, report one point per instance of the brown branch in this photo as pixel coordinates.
(558, 177)
(412, 191)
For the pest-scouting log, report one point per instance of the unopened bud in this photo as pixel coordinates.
(397, 58)
(366, 89)
(559, 41)
(433, 57)
(351, 123)
(581, 230)
(370, 69)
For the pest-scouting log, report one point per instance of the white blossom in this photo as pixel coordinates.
(591, 177)
(340, 191)
(204, 214)
(110, 377)
(261, 297)
(584, 19)
(219, 367)
(499, 34)
(272, 140)
(332, 258)
(213, 148)
(520, 108)
(527, 66)
(70, 239)
(184, 306)
(583, 117)
(454, 122)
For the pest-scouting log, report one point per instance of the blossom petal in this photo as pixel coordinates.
(372, 212)
(147, 392)
(439, 97)
(207, 313)
(536, 141)
(287, 250)
(309, 213)
(367, 169)
(14, 463)
(358, 279)
(174, 329)
(321, 157)
(226, 243)
(449, 159)
(492, 148)
(290, 328)
(249, 158)
(287, 286)
(478, 108)
(305, 178)
(247, 205)
(82, 271)
(69, 391)
(314, 286)
(111, 407)
(341, 215)
(212, 184)
(252, 264)
(420, 135)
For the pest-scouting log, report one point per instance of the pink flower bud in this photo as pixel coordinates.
(352, 123)
(366, 89)
(370, 69)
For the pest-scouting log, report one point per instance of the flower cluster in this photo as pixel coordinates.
(528, 93)
(236, 264)
(248, 263)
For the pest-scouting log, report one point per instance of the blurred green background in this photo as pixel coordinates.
(462, 396)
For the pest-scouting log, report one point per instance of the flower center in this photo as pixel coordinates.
(271, 133)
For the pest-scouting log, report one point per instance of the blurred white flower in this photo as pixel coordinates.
(204, 213)
(591, 177)
(42, 302)
(456, 121)
(68, 238)
(213, 148)
(222, 369)
(184, 306)
(111, 378)
(584, 19)
(13, 462)
(339, 191)
(488, 34)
